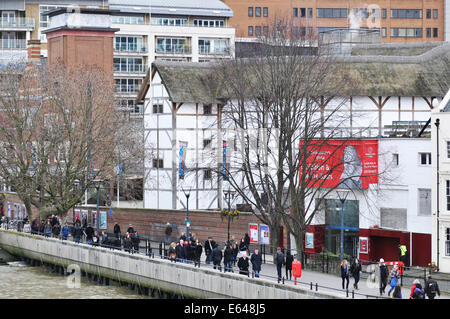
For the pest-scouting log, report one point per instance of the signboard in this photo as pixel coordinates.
(76, 215)
(253, 233)
(182, 164)
(347, 163)
(103, 222)
(264, 234)
(363, 245)
(9, 209)
(309, 240)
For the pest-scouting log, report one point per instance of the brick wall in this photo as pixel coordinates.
(12, 199)
(152, 223)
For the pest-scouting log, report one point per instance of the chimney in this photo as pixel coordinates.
(34, 50)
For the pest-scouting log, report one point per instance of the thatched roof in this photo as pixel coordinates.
(426, 74)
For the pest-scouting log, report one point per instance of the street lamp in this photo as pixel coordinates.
(437, 123)
(342, 194)
(188, 223)
(97, 187)
(229, 195)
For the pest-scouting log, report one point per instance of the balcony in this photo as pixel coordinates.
(131, 49)
(17, 24)
(206, 50)
(13, 44)
(180, 49)
(133, 69)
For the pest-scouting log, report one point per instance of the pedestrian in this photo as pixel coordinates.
(34, 226)
(355, 270)
(172, 252)
(393, 278)
(247, 240)
(345, 273)
(231, 241)
(56, 229)
(256, 261)
(117, 230)
(65, 231)
(127, 245)
(77, 232)
(183, 237)
(42, 228)
(217, 257)
(168, 232)
(135, 240)
(279, 261)
(418, 292)
(181, 251)
(198, 249)
(89, 232)
(95, 239)
(432, 288)
(235, 250)
(27, 227)
(383, 276)
(209, 246)
(228, 258)
(403, 254)
(243, 264)
(130, 229)
(47, 229)
(289, 260)
(397, 292)
(413, 287)
(242, 245)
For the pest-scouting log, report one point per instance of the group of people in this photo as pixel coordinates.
(430, 289)
(353, 270)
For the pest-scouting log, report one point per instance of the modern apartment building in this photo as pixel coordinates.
(189, 31)
(397, 20)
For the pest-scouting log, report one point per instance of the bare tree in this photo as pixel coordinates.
(285, 107)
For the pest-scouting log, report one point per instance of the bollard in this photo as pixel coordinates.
(317, 287)
(346, 292)
(283, 280)
(311, 286)
(353, 294)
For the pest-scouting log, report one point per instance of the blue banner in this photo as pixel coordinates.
(182, 165)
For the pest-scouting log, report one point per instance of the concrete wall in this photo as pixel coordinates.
(181, 279)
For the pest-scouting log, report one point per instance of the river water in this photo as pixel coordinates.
(21, 281)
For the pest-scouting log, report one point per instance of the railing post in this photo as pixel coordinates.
(317, 286)
(311, 287)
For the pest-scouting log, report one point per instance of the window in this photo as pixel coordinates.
(207, 143)
(43, 19)
(169, 21)
(128, 19)
(332, 12)
(173, 45)
(310, 12)
(447, 192)
(428, 32)
(424, 202)
(383, 13)
(395, 218)
(258, 31)
(158, 108)
(428, 13)
(435, 13)
(265, 12)
(207, 174)
(130, 105)
(128, 44)
(128, 65)
(406, 14)
(250, 11)
(258, 12)
(395, 159)
(425, 158)
(295, 12)
(250, 30)
(127, 85)
(266, 31)
(302, 12)
(207, 108)
(447, 242)
(158, 163)
(383, 32)
(209, 23)
(435, 32)
(406, 32)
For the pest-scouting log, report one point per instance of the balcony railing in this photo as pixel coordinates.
(11, 44)
(127, 88)
(173, 49)
(131, 49)
(17, 23)
(130, 69)
(206, 50)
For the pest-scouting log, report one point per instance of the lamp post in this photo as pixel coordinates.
(437, 123)
(342, 194)
(188, 223)
(229, 194)
(98, 204)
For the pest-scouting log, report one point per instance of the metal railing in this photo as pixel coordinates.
(17, 23)
(13, 44)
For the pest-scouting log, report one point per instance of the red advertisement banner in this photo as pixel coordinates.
(347, 163)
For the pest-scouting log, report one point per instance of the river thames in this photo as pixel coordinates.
(21, 281)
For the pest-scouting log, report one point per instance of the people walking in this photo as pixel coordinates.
(413, 287)
(289, 260)
(77, 232)
(279, 261)
(217, 257)
(181, 251)
(397, 293)
(403, 254)
(243, 264)
(383, 276)
(172, 252)
(65, 231)
(48, 229)
(256, 260)
(235, 249)
(117, 230)
(345, 273)
(89, 231)
(209, 246)
(56, 229)
(228, 258)
(355, 270)
(198, 249)
(168, 232)
(393, 279)
(432, 288)
(242, 245)
(418, 292)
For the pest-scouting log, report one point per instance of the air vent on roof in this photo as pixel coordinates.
(172, 10)
(216, 11)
